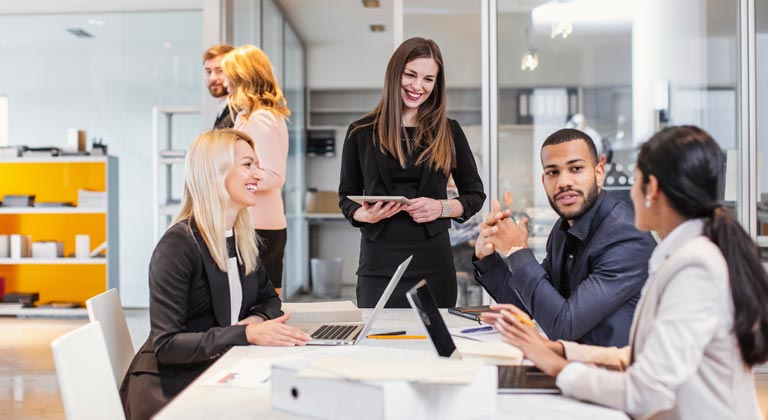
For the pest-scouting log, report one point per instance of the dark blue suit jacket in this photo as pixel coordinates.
(608, 272)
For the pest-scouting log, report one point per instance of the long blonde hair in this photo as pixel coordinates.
(252, 82)
(209, 159)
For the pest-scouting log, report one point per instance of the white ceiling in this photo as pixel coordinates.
(95, 6)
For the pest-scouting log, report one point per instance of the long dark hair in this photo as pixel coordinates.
(433, 132)
(688, 165)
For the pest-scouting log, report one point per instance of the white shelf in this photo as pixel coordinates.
(14, 310)
(169, 210)
(314, 216)
(51, 210)
(172, 160)
(55, 159)
(53, 261)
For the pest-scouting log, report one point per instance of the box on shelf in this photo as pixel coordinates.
(26, 299)
(5, 246)
(18, 200)
(20, 246)
(322, 202)
(47, 249)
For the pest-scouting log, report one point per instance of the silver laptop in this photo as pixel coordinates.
(350, 333)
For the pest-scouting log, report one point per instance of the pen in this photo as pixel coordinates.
(397, 337)
(391, 333)
(478, 329)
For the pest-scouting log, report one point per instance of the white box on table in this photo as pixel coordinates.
(341, 399)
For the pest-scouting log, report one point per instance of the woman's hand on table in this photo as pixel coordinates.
(275, 332)
(512, 324)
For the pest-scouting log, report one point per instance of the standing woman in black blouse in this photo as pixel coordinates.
(407, 146)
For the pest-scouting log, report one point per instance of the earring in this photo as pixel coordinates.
(647, 201)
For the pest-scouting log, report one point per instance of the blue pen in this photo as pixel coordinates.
(478, 329)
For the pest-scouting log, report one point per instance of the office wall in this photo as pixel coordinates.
(106, 85)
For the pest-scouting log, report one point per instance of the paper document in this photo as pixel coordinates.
(491, 336)
(248, 373)
(496, 353)
(322, 312)
(392, 368)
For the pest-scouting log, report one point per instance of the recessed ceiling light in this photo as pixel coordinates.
(377, 28)
(167, 44)
(96, 22)
(371, 3)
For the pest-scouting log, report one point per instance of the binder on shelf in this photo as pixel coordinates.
(20, 246)
(11, 200)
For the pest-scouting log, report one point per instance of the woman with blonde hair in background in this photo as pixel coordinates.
(702, 320)
(208, 290)
(260, 110)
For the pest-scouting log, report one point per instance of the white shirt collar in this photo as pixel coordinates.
(680, 235)
(223, 103)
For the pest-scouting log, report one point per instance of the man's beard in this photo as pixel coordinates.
(217, 91)
(589, 201)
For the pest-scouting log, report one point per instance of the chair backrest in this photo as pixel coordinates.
(87, 386)
(106, 309)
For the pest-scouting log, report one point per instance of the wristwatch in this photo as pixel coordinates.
(446, 208)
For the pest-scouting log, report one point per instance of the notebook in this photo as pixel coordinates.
(350, 333)
(512, 379)
(470, 312)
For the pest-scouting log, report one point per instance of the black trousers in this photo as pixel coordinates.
(272, 252)
(370, 289)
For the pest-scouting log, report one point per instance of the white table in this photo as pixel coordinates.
(200, 401)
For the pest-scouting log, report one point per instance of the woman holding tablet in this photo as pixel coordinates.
(408, 147)
(702, 321)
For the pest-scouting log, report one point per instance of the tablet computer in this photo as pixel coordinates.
(372, 199)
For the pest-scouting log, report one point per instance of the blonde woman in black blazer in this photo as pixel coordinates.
(408, 147)
(208, 288)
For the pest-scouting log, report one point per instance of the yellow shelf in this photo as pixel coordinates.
(57, 179)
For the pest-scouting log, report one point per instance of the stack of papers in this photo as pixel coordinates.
(322, 312)
(91, 199)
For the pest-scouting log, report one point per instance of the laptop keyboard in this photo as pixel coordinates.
(334, 332)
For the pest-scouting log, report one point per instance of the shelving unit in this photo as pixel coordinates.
(58, 179)
(166, 157)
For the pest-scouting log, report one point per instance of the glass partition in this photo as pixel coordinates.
(617, 69)
(461, 50)
(761, 80)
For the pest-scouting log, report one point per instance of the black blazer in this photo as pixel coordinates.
(363, 172)
(190, 318)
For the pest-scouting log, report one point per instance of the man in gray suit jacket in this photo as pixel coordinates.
(587, 287)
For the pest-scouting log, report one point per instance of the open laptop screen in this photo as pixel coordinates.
(422, 301)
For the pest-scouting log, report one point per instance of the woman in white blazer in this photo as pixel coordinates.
(702, 321)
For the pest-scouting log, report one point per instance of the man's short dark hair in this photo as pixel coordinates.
(570, 134)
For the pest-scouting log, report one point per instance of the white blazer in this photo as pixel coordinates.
(683, 360)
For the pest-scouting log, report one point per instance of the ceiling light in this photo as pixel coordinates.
(377, 28)
(167, 44)
(585, 12)
(530, 60)
(371, 3)
(96, 22)
(561, 29)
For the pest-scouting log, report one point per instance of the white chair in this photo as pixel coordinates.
(106, 309)
(86, 383)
